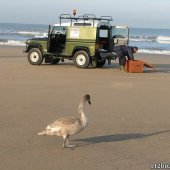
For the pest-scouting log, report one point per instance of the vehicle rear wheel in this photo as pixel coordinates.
(81, 59)
(101, 63)
(35, 56)
(98, 63)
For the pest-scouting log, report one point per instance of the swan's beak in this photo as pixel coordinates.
(89, 102)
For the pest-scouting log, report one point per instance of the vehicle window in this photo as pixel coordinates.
(59, 29)
(119, 32)
(103, 33)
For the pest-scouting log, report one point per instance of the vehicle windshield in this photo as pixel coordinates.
(120, 32)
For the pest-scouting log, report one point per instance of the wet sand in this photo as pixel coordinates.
(128, 120)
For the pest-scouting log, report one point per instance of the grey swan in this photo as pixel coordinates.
(69, 126)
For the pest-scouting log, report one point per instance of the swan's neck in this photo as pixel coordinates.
(83, 117)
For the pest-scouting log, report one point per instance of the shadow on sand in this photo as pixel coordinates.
(116, 138)
(159, 68)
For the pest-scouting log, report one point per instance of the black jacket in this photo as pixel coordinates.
(123, 50)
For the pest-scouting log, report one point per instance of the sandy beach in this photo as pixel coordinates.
(129, 117)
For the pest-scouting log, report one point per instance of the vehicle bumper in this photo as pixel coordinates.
(24, 51)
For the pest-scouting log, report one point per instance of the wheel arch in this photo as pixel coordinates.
(31, 46)
(81, 48)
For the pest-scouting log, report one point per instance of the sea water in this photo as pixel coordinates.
(16, 34)
(148, 40)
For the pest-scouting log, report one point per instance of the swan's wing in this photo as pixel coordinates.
(64, 126)
(64, 122)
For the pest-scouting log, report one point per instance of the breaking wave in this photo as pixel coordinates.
(143, 38)
(158, 39)
(13, 43)
(163, 39)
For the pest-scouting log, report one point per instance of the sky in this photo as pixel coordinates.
(133, 13)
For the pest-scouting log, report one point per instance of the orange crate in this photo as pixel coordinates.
(134, 66)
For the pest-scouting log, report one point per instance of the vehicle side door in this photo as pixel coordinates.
(120, 35)
(57, 39)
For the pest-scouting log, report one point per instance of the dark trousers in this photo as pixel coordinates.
(121, 55)
(122, 60)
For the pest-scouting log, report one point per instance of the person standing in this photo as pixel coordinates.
(124, 51)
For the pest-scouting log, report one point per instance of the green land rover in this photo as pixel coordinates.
(87, 40)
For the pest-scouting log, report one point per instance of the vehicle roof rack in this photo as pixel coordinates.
(107, 18)
(89, 16)
(85, 17)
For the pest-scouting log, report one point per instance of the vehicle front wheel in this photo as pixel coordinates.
(35, 56)
(81, 59)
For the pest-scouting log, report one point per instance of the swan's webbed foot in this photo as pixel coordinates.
(65, 146)
(71, 146)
